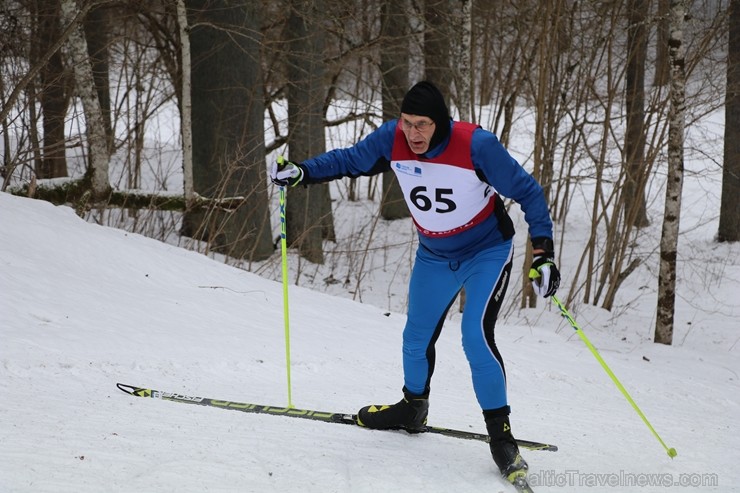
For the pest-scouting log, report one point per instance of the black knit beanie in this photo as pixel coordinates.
(424, 99)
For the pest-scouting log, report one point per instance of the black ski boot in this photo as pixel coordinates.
(409, 414)
(504, 449)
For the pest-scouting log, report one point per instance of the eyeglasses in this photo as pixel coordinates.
(420, 125)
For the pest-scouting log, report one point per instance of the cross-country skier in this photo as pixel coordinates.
(453, 175)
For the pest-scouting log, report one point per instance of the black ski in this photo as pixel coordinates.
(327, 417)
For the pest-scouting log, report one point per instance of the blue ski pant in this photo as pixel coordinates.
(433, 288)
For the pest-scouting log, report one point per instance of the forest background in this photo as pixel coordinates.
(161, 118)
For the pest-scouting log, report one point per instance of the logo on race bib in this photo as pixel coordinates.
(407, 169)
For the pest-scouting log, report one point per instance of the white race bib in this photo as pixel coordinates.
(443, 199)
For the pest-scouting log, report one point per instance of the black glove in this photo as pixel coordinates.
(544, 273)
(286, 173)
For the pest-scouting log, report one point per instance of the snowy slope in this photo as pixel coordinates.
(83, 307)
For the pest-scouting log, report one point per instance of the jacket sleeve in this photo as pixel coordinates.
(369, 156)
(512, 181)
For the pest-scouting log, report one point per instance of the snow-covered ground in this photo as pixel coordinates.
(84, 306)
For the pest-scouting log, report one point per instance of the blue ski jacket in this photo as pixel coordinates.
(498, 173)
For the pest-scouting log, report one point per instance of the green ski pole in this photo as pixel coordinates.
(671, 451)
(284, 254)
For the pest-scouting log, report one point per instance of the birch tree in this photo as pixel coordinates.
(463, 57)
(674, 181)
(96, 27)
(186, 106)
(463, 76)
(85, 84)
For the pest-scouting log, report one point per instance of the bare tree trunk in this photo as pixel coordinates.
(394, 70)
(463, 74)
(97, 28)
(228, 127)
(53, 95)
(186, 106)
(85, 83)
(674, 181)
(635, 211)
(729, 213)
(306, 93)
(662, 62)
(437, 44)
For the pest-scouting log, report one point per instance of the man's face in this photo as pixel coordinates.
(418, 131)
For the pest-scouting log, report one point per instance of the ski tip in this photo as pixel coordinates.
(522, 485)
(135, 391)
(129, 389)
